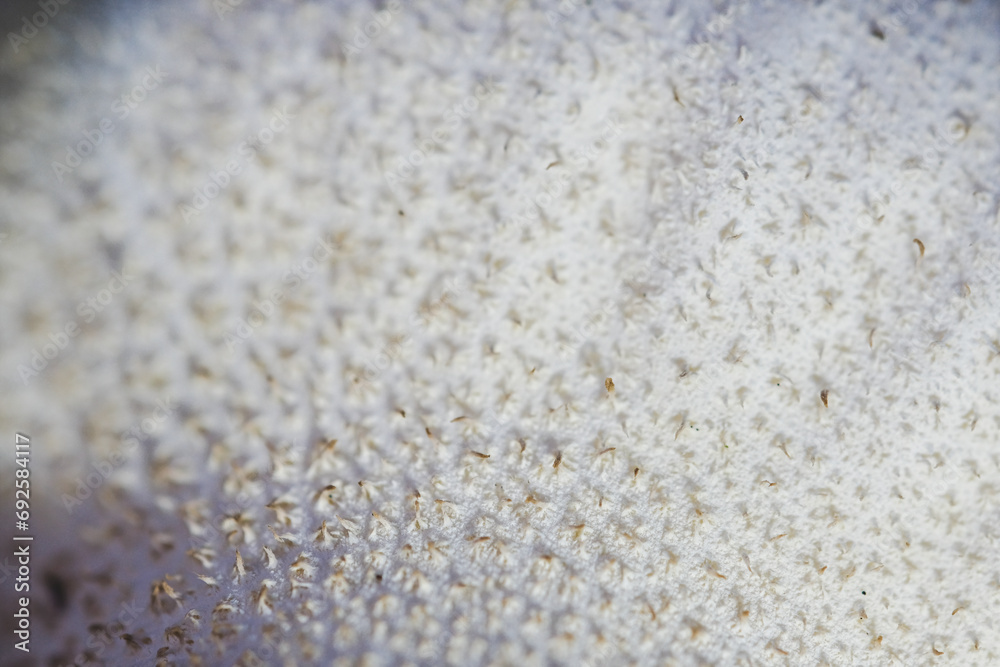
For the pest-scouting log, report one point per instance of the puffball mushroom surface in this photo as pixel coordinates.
(505, 333)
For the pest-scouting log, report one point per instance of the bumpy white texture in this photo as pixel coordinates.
(415, 457)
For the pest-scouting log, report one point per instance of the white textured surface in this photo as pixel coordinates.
(738, 520)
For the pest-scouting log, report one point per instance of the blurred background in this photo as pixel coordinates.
(338, 287)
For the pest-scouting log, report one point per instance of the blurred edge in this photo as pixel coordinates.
(23, 24)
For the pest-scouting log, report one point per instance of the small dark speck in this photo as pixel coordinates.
(57, 588)
(114, 252)
(401, 213)
(863, 593)
(876, 31)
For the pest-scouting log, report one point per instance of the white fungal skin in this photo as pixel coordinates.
(685, 414)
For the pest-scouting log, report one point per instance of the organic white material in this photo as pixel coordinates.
(349, 285)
